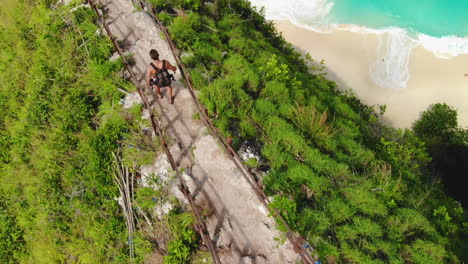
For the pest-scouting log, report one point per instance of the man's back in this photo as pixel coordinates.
(152, 72)
(159, 65)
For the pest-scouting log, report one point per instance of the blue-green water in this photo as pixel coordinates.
(431, 17)
(440, 26)
(435, 18)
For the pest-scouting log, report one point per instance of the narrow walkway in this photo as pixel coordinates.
(240, 225)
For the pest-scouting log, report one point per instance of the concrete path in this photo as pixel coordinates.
(240, 227)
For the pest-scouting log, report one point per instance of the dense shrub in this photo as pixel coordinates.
(447, 144)
(59, 125)
(183, 239)
(358, 190)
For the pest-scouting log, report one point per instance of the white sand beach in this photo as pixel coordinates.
(349, 57)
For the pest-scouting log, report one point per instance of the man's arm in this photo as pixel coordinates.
(148, 76)
(171, 67)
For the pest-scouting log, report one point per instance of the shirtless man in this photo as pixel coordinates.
(152, 79)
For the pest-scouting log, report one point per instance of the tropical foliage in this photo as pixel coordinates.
(357, 190)
(447, 144)
(60, 121)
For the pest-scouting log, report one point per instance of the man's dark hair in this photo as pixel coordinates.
(154, 54)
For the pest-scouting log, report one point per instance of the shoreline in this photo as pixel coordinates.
(349, 56)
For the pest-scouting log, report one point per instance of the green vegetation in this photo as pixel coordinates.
(10, 236)
(360, 192)
(447, 144)
(439, 126)
(60, 122)
(183, 239)
(357, 190)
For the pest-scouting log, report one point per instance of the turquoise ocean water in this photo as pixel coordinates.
(440, 26)
(436, 18)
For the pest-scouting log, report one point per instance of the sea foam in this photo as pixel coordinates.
(312, 15)
(444, 47)
(391, 68)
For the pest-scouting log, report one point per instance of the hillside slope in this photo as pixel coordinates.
(358, 190)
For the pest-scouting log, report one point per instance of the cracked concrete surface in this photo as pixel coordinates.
(240, 226)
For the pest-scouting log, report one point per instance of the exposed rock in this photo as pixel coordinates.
(115, 56)
(130, 100)
(247, 152)
(158, 173)
(78, 6)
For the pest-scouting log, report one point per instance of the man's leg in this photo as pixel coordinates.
(170, 94)
(158, 91)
